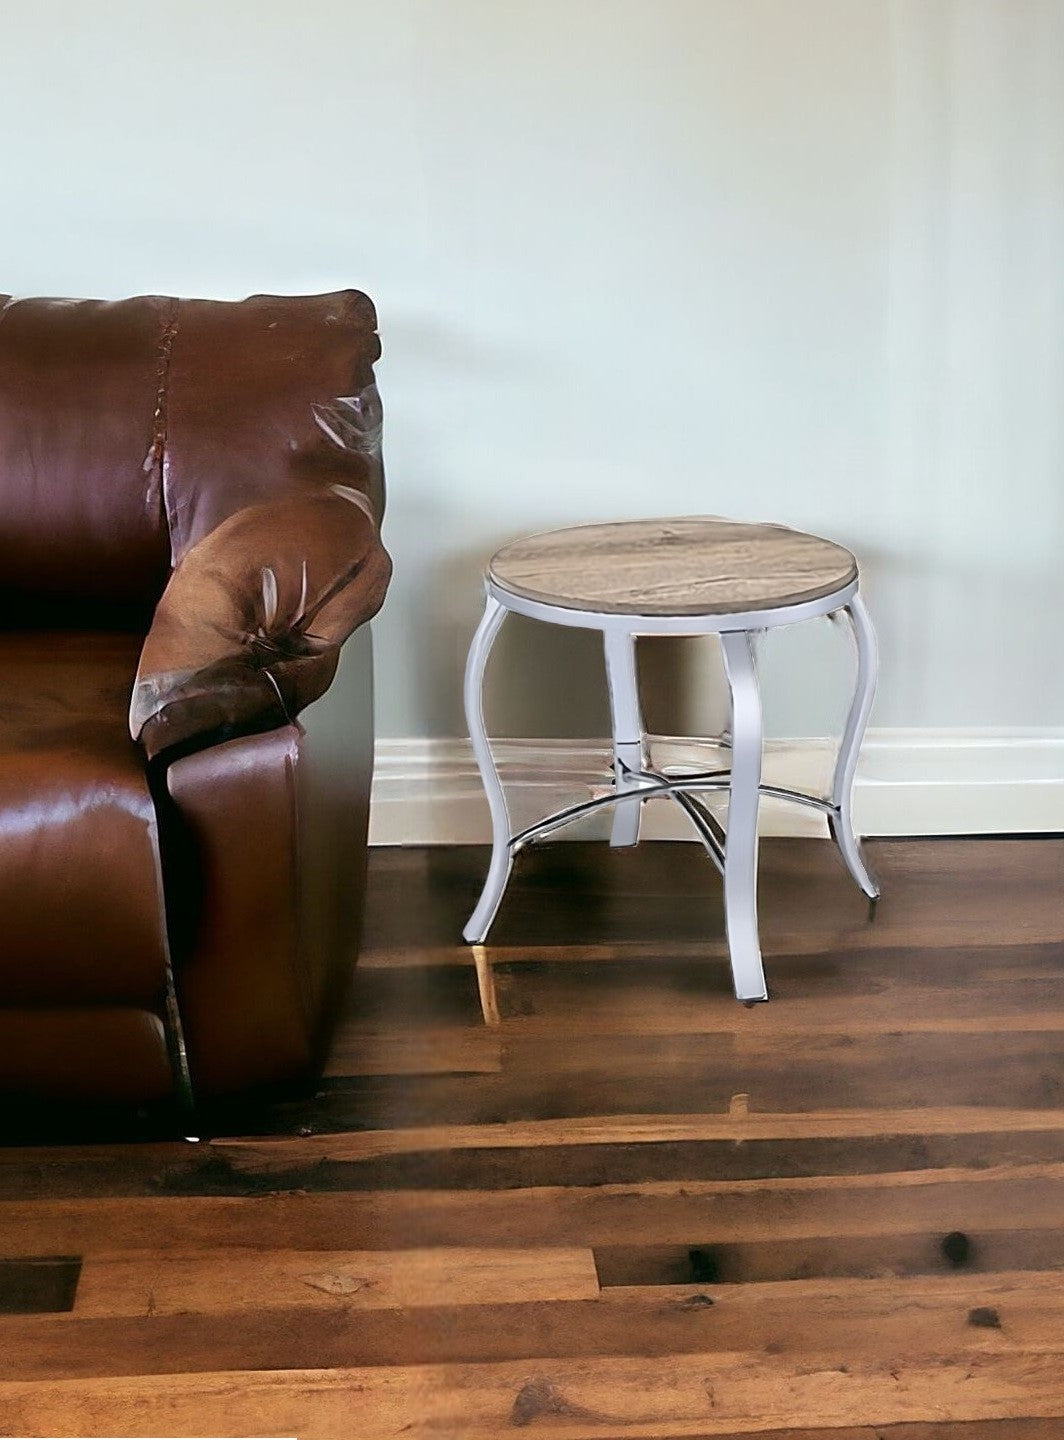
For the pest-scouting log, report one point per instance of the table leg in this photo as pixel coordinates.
(740, 850)
(489, 1004)
(756, 636)
(841, 822)
(628, 744)
(499, 870)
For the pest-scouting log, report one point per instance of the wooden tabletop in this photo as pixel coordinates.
(693, 565)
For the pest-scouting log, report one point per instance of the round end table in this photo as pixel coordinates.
(688, 576)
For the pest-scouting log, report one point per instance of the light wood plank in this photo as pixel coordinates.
(235, 1279)
(574, 1400)
(637, 1129)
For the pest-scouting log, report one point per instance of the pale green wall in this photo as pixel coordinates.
(790, 259)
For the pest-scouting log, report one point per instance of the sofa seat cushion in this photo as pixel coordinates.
(80, 882)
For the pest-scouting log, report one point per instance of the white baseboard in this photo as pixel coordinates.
(910, 782)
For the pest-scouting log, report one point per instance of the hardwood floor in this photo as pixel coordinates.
(633, 1208)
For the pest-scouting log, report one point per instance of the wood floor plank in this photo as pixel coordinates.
(579, 1399)
(428, 1050)
(237, 1280)
(626, 997)
(298, 1163)
(1049, 1429)
(929, 1315)
(740, 1127)
(897, 1070)
(917, 1252)
(957, 893)
(665, 987)
(576, 1150)
(666, 1212)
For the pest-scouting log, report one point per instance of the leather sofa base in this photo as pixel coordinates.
(89, 1056)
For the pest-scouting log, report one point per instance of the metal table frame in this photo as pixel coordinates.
(733, 851)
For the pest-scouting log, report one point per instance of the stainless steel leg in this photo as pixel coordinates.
(499, 870)
(756, 636)
(628, 744)
(840, 822)
(740, 851)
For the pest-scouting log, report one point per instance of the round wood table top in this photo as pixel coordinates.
(695, 565)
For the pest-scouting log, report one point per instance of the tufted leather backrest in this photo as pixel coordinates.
(81, 516)
(130, 429)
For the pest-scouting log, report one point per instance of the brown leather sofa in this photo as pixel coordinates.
(190, 498)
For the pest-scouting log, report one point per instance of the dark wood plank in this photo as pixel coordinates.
(38, 1285)
(653, 1213)
(929, 1252)
(685, 1074)
(576, 1152)
(936, 893)
(802, 1318)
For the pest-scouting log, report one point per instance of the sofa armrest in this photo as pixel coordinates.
(249, 628)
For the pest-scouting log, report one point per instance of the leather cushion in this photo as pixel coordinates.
(80, 887)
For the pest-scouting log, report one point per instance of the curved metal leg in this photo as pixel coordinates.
(740, 850)
(628, 756)
(756, 636)
(840, 821)
(499, 869)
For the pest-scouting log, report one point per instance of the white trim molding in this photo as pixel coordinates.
(909, 782)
